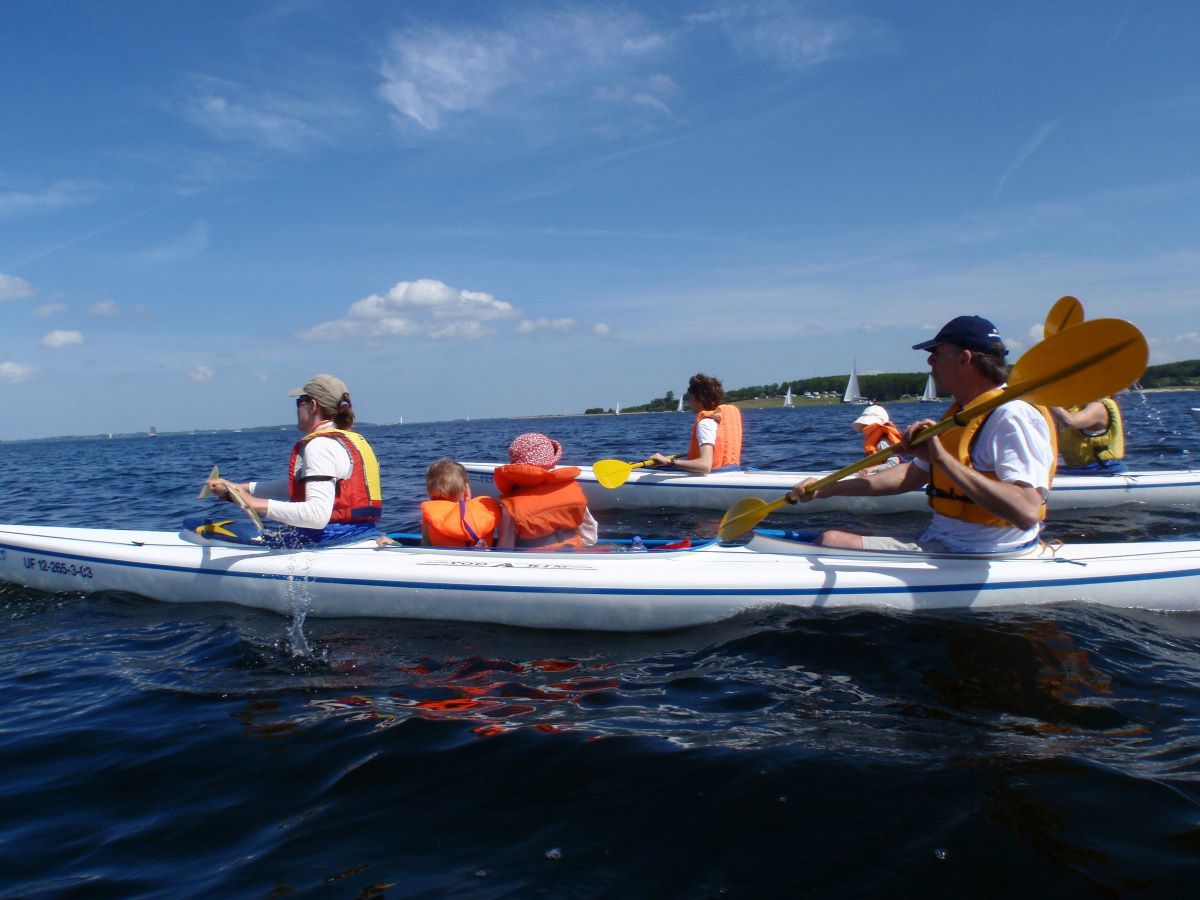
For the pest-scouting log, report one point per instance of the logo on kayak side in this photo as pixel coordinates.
(484, 564)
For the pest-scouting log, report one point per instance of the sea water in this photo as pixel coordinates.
(152, 749)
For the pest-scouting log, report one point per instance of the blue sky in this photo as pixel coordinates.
(501, 208)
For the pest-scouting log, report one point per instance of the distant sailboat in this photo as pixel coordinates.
(930, 395)
(787, 400)
(853, 394)
(679, 408)
(617, 411)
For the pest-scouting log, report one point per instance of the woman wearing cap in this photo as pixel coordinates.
(542, 507)
(716, 432)
(332, 488)
(878, 432)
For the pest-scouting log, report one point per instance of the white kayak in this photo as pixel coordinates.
(653, 590)
(671, 488)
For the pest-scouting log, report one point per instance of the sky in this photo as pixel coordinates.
(520, 208)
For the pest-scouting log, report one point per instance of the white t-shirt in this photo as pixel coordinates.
(320, 457)
(1014, 443)
(706, 432)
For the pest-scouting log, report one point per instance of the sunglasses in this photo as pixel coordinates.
(301, 400)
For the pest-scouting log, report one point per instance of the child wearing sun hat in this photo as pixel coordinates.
(543, 507)
(878, 432)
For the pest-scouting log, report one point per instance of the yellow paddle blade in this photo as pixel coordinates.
(204, 491)
(744, 515)
(1065, 313)
(611, 473)
(1080, 364)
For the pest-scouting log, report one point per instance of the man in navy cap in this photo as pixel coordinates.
(987, 481)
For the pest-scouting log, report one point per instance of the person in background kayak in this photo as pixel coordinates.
(987, 481)
(879, 432)
(332, 488)
(716, 433)
(451, 517)
(542, 507)
(1091, 436)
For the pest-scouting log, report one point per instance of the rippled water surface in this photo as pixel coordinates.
(177, 750)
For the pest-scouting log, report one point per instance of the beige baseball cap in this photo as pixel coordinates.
(327, 390)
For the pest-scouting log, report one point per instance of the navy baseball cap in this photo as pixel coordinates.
(969, 332)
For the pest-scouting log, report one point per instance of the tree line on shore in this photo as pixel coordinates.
(888, 386)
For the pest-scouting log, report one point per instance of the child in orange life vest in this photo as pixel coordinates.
(451, 517)
(878, 431)
(543, 507)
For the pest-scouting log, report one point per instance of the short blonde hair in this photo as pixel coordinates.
(446, 480)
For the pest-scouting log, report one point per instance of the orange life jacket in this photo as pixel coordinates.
(727, 451)
(873, 433)
(546, 506)
(944, 495)
(461, 523)
(355, 499)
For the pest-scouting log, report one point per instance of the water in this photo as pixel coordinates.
(151, 749)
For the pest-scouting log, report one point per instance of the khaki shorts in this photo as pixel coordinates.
(881, 542)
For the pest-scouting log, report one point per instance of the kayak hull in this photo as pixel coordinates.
(629, 591)
(673, 489)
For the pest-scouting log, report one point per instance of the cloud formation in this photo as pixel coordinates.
(425, 308)
(433, 73)
(12, 373)
(14, 288)
(201, 374)
(46, 310)
(59, 338)
(105, 308)
(271, 120)
(57, 196)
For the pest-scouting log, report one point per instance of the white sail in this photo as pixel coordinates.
(853, 394)
(930, 395)
(618, 410)
(680, 407)
(787, 400)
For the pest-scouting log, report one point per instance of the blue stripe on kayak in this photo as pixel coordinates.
(655, 592)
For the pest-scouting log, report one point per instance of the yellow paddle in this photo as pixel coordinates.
(234, 494)
(1066, 312)
(1088, 360)
(612, 473)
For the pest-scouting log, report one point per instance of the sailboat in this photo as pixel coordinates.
(930, 395)
(853, 394)
(787, 400)
(617, 411)
(679, 408)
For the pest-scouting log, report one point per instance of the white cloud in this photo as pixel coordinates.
(432, 74)
(57, 196)
(46, 310)
(180, 249)
(11, 372)
(200, 374)
(602, 329)
(106, 308)
(559, 326)
(232, 112)
(58, 339)
(14, 288)
(791, 36)
(424, 307)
